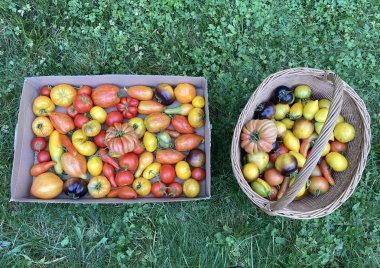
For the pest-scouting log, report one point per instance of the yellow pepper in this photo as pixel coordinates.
(56, 150)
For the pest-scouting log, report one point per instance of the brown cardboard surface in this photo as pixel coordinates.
(21, 179)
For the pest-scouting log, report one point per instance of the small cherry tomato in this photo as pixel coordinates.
(158, 189)
(85, 90)
(38, 144)
(198, 174)
(167, 174)
(43, 156)
(80, 120)
(114, 117)
(174, 190)
(45, 91)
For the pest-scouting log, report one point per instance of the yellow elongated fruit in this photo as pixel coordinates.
(152, 171)
(150, 142)
(296, 111)
(145, 160)
(56, 151)
(261, 187)
(95, 165)
(281, 111)
(288, 123)
(321, 115)
(99, 114)
(310, 109)
(291, 142)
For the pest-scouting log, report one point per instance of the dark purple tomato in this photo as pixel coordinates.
(283, 94)
(265, 110)
(196, 158)
(274, 147)
(75, 188)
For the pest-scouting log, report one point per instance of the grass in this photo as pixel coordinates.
(235, 45)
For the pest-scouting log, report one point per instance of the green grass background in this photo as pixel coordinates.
(235, 45)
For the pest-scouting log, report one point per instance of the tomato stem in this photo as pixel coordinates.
(255, 136)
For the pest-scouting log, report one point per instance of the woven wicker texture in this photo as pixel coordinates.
(345, 101)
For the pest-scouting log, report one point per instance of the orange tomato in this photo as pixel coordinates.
(185, 93)
(42, 126)
(99, 187)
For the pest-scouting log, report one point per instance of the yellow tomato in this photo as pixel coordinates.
(198, 102)
(288, 123)
(295, 111)
(310, 109)
(142, 186)
(281, 129)
(303, 128)
(152, 171)
(84, 146)
(99, 114)
(196, 117)
(300, 158)
(182, 169)
(291, 142)
(43, 105)
(302, 92)
(336, 161)
(99, 187)
(281, 111)
(302, 191)
(95, 165)
(344, 132)
(42, 126)
(324, 103)
(321, 115)
(63, 95)
(327, 149)
(138, 125)
(185, 93)
(318, 127)
(91, 128)
(191, 188)
(150, 142)
(250, 172)
(260, 159)
(340, 119)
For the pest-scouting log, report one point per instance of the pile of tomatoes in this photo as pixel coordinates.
(279, 138)
(118, 143)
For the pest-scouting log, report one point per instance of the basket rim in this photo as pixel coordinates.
(263, 203)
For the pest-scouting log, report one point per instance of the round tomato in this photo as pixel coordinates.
(63, 95)
(182, 169)
(46, 186)
(138, 125)
(124, 177)
(185, 93)
(114, 117)
(42, 106)
(273, 177)
(129, 161)
(250, 172)
(70, 111)
(318, 185)
(99, 139)
(260, 159)
(80, 120)
(196, 117)
(99, 114)
(198, 174)
(273, 193)
(191, 188)
(42, 126)
(142, 186)
(302, 129)
(99, 187)
(43, 156)
(95, 165)
(336, 146)
(167, 174)
(174, 189)
(38, 144)
(139, 148)
(281, 150)
(158, 189)
(83, 103)
(85, 90)
(91, 128)
(344, 132)
(45, 91)
(336, 161)
(198, 102)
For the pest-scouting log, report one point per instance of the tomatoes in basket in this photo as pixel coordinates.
(114, 117)
(281, 150)
(273, 177)
(167, 174)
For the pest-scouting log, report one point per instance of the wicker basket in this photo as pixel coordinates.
(345, 101)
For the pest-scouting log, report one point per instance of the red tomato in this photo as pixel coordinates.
(80, 120)
(45, 91)
(273, 177)
(114, 117)
(129, 161)
(84, 90)
(281, 150)
(83, 103)
(124, 177)
(174, 190)
(198, 174)
(99, 139)
(167, 174)
(38, 144)
(273, 193)
(70, 111)
(139, 148)
(158, 189)
(43, 156)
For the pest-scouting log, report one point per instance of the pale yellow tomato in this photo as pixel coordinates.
(99, 114)
(250, 172)
(198, 102)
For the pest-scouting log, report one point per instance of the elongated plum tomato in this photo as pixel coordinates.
(273, 177)
(286, 164)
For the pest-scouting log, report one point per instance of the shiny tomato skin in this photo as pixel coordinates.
(158, 189)
(124, 177)
(114, 117)
(70, 111)
(174, 190)
(99, 139)
(129, 161)
(167, 174)
(38, 144)
(83, 103)
(85, 90)
(139, 149)
(198, 174)
(80, 120)
(43, 156)
(45, 91)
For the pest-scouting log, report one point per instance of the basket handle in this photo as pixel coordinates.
(319, 145)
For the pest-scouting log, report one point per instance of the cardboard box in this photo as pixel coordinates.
(21, 180)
